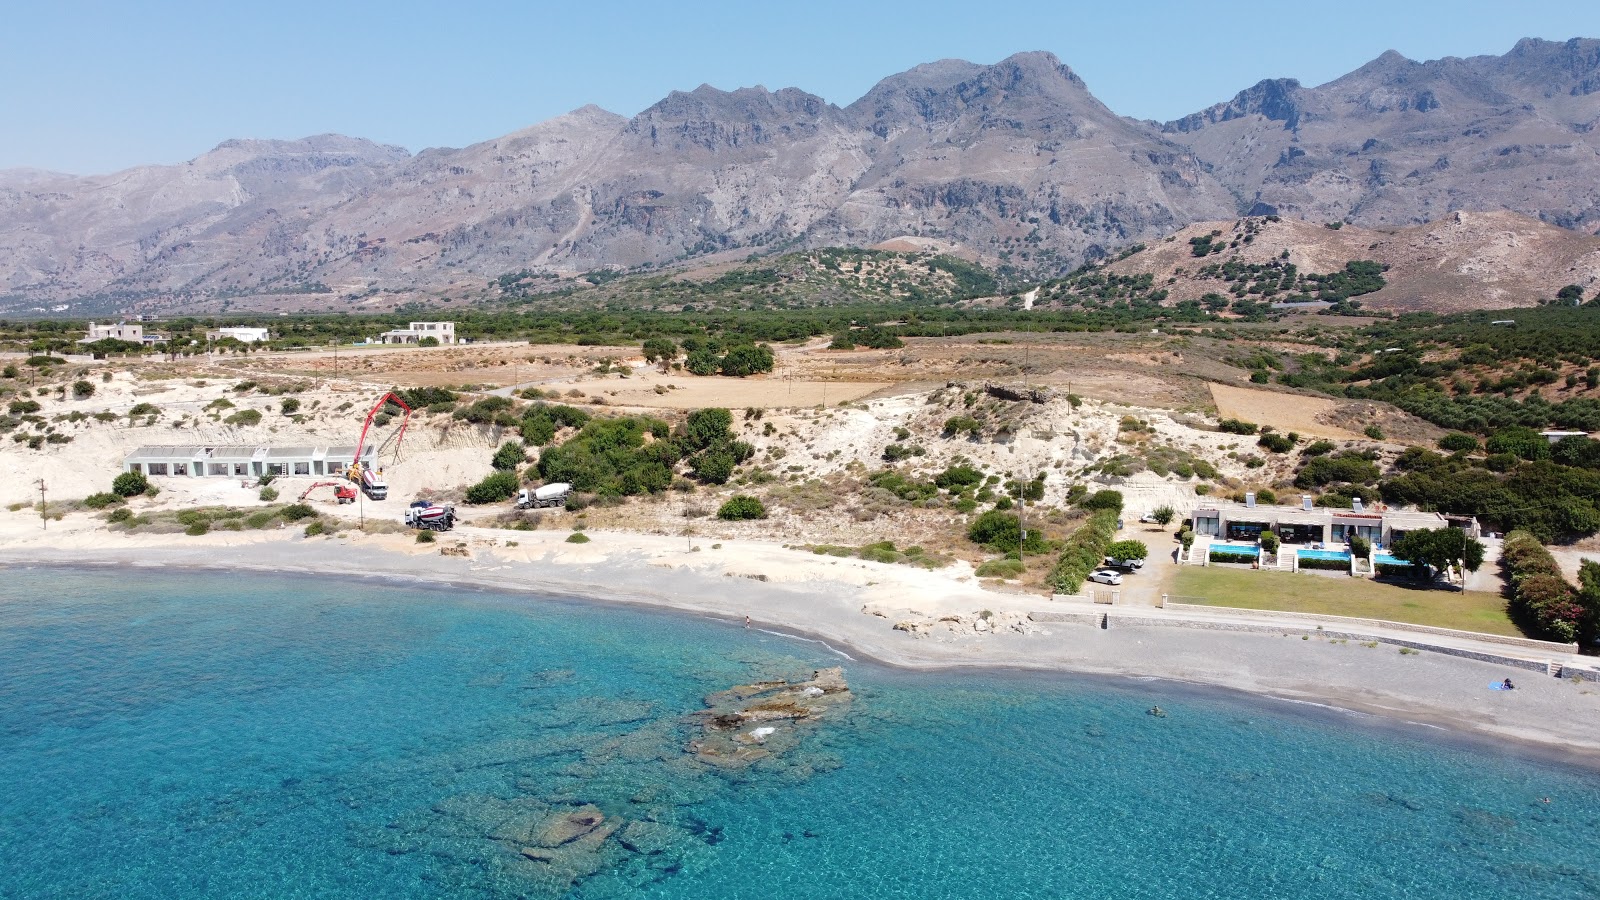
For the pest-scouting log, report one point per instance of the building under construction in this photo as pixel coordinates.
(188, 461)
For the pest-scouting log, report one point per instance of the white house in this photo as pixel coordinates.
(239, 333)
(443, 332)
(121, 331)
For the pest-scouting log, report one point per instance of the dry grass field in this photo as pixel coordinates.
(1285, 412)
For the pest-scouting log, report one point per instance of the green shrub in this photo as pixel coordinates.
(1276, 443)
(1128, 550)
(268, 494)
(1374, 432)
(315, 528)
(425, 537)
(1000, 568)
(260, 519)
(144, 409)
(290, 406)
(1163, 515)
(1103, 500)
(956, 477)
(742, 506)
(82, 389)
(130, 484)
(956, 425)
(493, 489)
(102, 500)
(510, 456)
(198, 528)
(1084, 551)
(294, 512)
(1457, 442)
(244, 417)
(1237, 426)
(120, 514)
(23, 407)
(1318, 448)
(577, 537)
(1000, 531)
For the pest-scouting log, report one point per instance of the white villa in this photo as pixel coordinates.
(241, 334)
(444, 332)
(121, 331)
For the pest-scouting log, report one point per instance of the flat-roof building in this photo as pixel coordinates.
(241, 334)
(240, 461)
(1310, 524)
(443, 332)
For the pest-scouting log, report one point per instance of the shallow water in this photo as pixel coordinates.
(172, 734)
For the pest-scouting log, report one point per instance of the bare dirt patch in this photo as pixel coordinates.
(1284, 412)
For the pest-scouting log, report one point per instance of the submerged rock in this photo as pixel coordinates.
(750, 722)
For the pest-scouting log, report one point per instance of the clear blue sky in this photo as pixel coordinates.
(94, 87)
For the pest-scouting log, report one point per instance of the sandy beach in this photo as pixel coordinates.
(853, 606)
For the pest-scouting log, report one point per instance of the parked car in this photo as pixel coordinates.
(1131, 564)
(1148, 519)
(1106, 576)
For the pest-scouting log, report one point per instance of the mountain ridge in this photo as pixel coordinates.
(1016, 162)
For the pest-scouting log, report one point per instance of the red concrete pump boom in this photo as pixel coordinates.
(373, 413)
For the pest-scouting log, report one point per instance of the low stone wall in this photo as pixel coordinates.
(1349, 622)
(1123, 621)
(1093, 619)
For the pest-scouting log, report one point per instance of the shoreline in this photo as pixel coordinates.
(850, 613)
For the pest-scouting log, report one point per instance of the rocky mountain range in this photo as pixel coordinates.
(1013, 164)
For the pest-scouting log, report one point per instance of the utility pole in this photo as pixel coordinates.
(44, 510)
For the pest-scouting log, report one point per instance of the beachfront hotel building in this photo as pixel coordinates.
(1311, 524)
(188, 461)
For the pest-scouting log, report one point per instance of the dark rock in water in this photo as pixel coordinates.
(750, 722)
(564, 828)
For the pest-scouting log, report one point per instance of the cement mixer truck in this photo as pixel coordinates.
(549, 495)
(431, 516)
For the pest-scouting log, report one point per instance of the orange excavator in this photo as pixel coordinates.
(342, 493)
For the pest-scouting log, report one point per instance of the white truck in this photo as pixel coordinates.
(431, 516)
(549, 495)
(374, 485)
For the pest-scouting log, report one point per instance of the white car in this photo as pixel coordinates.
(1132, 564)
(1106, 576)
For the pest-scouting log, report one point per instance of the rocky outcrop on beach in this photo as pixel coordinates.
(749, 722)
(980, 623)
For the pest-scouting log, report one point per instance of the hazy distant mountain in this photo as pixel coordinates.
(1398, 142)
(1016, 163)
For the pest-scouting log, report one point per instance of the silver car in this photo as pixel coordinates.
(1106, 576)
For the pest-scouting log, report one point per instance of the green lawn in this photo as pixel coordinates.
(1342, 596)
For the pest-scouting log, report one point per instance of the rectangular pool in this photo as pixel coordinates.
(1241, 551)
(1383, 559)
(1341, 555)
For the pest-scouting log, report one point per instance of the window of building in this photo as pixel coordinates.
(157, 468)
(1206, 525)
(302, 468)
(277, 468)
(180, 468)
(216, 468)
(241, 468)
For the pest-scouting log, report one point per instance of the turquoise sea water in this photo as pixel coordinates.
(195, 735)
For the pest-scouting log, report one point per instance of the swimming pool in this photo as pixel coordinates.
(1225, 548)
(1342, 555)
(1383, 559)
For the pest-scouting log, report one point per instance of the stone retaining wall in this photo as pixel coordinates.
(1093, 619)
(1349, 622)
(1120, 621)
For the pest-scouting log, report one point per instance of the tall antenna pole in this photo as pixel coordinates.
(44, 509)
